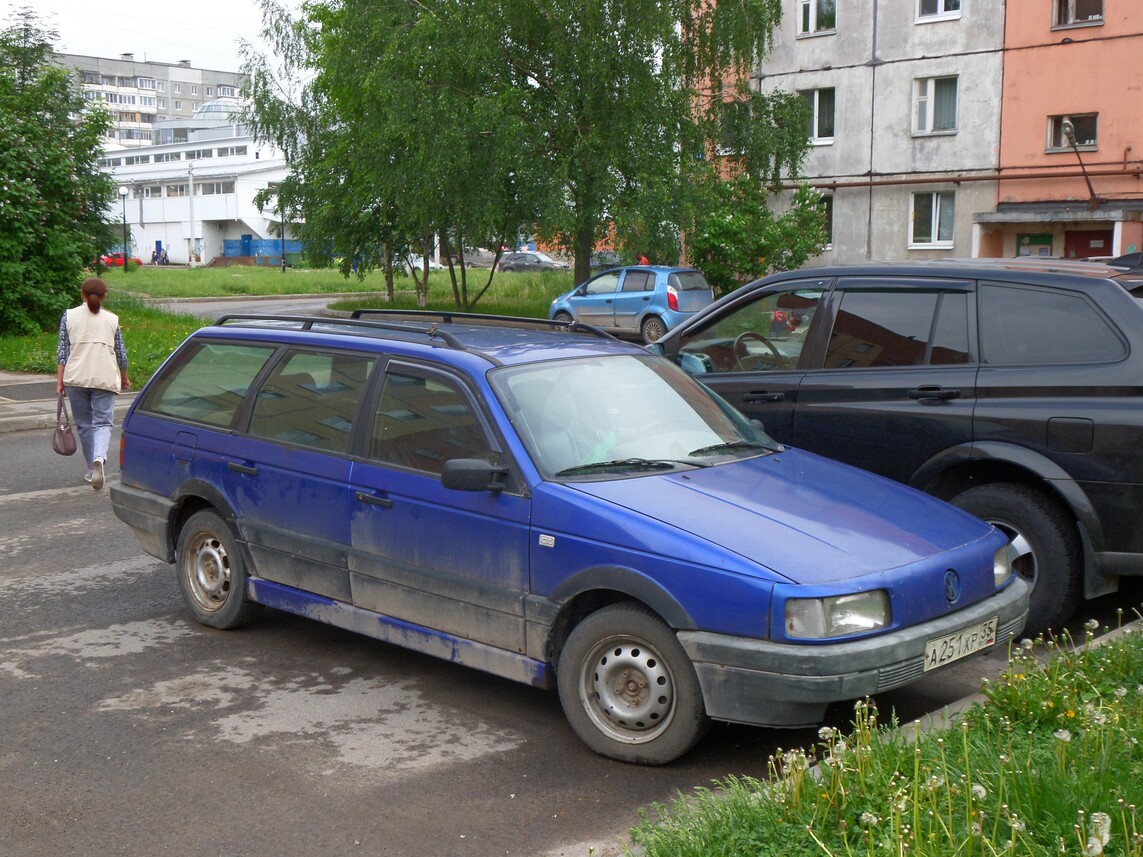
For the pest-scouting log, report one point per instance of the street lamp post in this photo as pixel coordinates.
(126, 240)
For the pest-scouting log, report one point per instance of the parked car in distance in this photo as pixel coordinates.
(605, 259)
(1011, 388)
(554, 506)
(115, 260)
(646, 300)
(531, 260)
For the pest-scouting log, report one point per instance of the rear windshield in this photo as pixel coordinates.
(688, 281)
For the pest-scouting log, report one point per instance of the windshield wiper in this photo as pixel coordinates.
(732, 445)
(625, 464)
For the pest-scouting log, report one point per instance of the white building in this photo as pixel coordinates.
(195, 198)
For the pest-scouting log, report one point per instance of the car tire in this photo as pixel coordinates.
(652, 329)
(212, 573)
(628, 689)
(1047, 544)
(563, 317)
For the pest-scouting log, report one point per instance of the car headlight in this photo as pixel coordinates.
(1002, 563)
(838, 615)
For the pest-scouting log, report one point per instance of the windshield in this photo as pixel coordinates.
(621, 415)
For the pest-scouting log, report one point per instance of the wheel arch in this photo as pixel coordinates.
(965, 466)
(195, 496)
(583, 594)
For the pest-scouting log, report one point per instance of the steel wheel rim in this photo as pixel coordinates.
(627, 689)
(208, 571)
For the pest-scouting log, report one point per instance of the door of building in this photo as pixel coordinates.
(1088, 242)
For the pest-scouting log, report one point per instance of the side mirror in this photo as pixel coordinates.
(473, 474)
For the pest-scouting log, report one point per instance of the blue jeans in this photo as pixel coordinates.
(94, 413)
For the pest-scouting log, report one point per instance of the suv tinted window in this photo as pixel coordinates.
(210, 385)
(423, 422)
(895, 328)
(310, 399)
(1035, 326)
(763, 334)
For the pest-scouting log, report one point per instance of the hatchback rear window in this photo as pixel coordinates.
(688, 280)
(210, 385)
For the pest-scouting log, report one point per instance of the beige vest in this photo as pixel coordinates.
(92, 361)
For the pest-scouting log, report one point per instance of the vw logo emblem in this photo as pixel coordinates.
(952, 586)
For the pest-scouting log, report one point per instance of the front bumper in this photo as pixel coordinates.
(753, 681)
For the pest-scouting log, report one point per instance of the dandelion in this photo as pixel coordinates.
(1120, 692)
(1062, 735)
(979, 792)
(1100, 827)
(869, 819)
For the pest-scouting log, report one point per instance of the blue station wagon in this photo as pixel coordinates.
(552, 505)
(646, 300)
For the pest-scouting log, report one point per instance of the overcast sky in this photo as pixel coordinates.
(206, 32)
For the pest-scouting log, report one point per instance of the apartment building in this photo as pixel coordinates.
(139, 93)
(938, 126)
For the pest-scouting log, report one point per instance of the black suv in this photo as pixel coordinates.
(1012, 389)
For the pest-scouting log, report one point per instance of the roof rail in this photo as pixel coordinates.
(450, 317)
(331, 325)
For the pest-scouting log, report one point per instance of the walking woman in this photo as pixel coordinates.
(92, 367)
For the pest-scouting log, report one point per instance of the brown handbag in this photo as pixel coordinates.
(63, 439)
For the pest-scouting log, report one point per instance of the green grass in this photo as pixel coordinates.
(150, 335)
(1050, 764)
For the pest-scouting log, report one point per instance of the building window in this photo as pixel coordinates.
(928, 10)
(230, 151)
(1083, 127)
(209, 91)
(933, 219)
(816, 16)
(936, 105)
(160, 85)
(178, 105)
(227, 92)
(176, 190)
(1069, 13)
(194, 106)
(821, 105)
(146, 83)
(194, 89)
(162, 103)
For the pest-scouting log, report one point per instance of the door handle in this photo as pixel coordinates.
(762, 396)
(242, 468)
(932, 395)
(374, 499)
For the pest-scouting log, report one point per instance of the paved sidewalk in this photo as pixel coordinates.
(29, 402)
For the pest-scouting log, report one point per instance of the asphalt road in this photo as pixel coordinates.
(127, 729)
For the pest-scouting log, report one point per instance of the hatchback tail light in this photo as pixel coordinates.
(672, 298)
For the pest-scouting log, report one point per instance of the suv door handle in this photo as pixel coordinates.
(933, 394)
(373, 499)
(242, 468)
(762, 396)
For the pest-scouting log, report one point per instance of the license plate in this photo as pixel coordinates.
(965, 642)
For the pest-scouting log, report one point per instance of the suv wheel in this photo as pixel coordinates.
(212, 575)
(1047, 548)
(652, 329)
(628, 688)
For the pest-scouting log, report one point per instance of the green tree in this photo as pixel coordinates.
(738, 237)
(53, 196)
(484, 121)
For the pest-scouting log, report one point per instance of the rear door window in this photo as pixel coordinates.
(1028, 326)
(310, 399)
(638, 281)
(899, 328)
(210, 385)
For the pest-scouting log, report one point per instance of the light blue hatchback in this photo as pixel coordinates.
(647, 300)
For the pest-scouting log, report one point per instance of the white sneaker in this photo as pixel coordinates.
(97, 474)
(87, 477)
